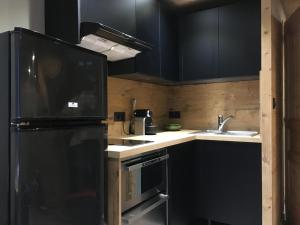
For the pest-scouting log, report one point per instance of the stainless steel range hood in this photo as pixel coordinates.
(110, 42)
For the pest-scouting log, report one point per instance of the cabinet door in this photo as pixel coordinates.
(181, 184)
(215, 181)
(199, 45)
(147, 29)
(227, 180)
(118, 14)
(169, 45)
(239, 39)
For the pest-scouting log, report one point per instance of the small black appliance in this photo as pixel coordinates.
(143, 122)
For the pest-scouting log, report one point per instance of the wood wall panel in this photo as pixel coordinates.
(120, 93)
(114, 209)
(270, 88)
(293, 193)
(277, 112)
(292, 49)
(200, 104)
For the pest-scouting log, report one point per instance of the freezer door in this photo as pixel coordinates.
(52, 79)
(57, 176)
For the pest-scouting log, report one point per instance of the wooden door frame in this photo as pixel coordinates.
(271, 56)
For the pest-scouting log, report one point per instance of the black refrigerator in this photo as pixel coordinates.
(52, 140)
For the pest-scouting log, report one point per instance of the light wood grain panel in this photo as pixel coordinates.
(120, 93)
(114, 208)
(292, 49)
(201, 104)
(277, 69)
(270, 88)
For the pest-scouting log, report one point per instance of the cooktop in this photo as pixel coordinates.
(126, 142)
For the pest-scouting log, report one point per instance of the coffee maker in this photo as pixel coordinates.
(143, 122)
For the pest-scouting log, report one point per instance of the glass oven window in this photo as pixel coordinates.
(152, 177)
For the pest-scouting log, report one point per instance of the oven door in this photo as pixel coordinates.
(143, 178)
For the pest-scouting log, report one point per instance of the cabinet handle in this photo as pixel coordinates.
(137, 213)
(146, 163)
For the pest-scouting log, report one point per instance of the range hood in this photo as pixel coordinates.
(110, 42)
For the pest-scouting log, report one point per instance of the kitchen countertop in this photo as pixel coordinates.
(166, 139)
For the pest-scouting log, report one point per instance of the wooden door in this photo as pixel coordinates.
(292, 44)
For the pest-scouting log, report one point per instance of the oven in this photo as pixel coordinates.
(145, 189)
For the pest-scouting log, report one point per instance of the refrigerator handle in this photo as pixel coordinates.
(17, 181)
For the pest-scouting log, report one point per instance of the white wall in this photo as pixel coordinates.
(22, 13)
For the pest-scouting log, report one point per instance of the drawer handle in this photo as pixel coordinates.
(147, 163)
(137, 213)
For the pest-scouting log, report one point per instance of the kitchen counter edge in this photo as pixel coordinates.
(167, 139)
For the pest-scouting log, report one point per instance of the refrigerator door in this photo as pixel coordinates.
(51, 79)
(57, 176)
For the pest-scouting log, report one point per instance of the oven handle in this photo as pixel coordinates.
(137, 213)
(147, 163)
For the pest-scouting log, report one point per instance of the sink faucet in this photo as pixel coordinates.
(222, 122)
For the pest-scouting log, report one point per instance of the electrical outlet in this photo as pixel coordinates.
(174, 114)
(119, 116)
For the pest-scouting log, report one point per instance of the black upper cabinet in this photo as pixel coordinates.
(169, 45)
(199, 45)
(63, 18)
(118, 14)
(147, 29)
(214, 43)
(239, 39)
(156, 25)
(221, 42)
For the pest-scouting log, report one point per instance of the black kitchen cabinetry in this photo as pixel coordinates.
(157, 25)
(181, 183)
(118, 14)
(199, 45)
(215, 181)
(148, 20)
(239, 39)
(147, 29)
(63, 18)
(169, 44)
(221, 42)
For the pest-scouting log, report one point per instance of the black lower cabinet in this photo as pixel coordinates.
(181, 184)
(215, 183)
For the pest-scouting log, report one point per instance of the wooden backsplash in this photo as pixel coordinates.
(199, 104)
(120, 93)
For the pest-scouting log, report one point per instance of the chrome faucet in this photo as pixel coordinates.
(222, 122)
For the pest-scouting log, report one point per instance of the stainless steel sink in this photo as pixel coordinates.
(230, 133)
(241, 133)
